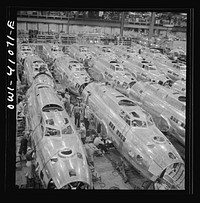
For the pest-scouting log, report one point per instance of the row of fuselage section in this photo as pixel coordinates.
(131, 111)
(167, 104)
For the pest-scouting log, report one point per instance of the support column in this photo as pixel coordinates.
(139, 31)
(68, 24)
(58, 28)
(122, 25)
(151, 27)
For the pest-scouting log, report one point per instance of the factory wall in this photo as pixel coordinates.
(21, 26)
(178, 34)
(181, 44)
(53, 27)
(31, 26)
(44, 27)
(181, 34)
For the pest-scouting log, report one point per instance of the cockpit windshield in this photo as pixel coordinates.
(113, 61)
(52, 132)
(52, 107)
(83, 49)
(125, 102)
(134, 114)
(67, 130)
(119, 69)
(151, 67)
(132, 83)
(56, 49)
(139, 123)
(183, 67)
(74, 62)
(182, 98)
(105, 49)
(38, 62)
(130, 51)
(43, 68)
(149, 118)
(78, 69)
(26, 49)
(136, 120)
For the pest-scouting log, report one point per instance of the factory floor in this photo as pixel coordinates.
(21, 168)
(107, 177)
(106, 174)
(111, 178)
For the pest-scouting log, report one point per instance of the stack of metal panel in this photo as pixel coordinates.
(22, 35)
(67, 39)
(45, 38)
(33, 36)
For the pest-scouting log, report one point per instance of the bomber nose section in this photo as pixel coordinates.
(77, 185)
(173, 178)
(168, 166)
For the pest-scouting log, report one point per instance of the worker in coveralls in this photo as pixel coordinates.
(66, 101)
(90, 149)
(82, 132)
(77, 114)
(30, 157)
(23, 146)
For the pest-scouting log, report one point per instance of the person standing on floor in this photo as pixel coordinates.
(92, 134)
(64, 100)
(86, 117)
(84, 114)
(89, 154)
(121, 166)
(82, 132)
(30, 156)
(82, 105)
(23, 146)
(67, 103)
(92, 124)
(99, 126)
(77, 114)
